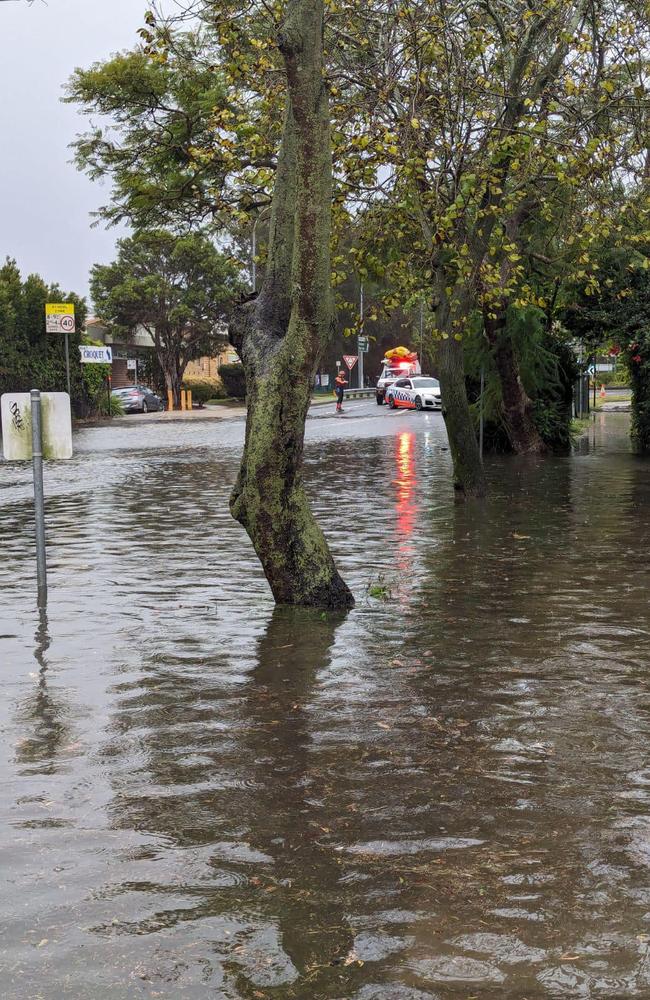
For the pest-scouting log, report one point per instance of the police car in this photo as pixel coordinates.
(422, 392)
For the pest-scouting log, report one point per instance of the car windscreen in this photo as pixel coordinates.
(426, 383)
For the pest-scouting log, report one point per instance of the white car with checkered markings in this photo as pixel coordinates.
(422, 392)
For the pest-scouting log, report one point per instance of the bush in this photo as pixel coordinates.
(102, 408)
(234, 380)
(638, 359)
(203, 389)
(620, 377)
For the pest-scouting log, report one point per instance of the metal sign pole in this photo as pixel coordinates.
(39, 500)
(67, 363)
(361, 333)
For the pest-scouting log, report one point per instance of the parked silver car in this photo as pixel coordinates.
(138, 399)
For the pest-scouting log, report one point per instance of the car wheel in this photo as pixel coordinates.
(145, 408)
(391, 402)
(418, 402)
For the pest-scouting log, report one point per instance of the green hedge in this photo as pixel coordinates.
(620, 377)
(234, 380)
(203, 389)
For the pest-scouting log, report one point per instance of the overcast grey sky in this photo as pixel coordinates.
(45, 203)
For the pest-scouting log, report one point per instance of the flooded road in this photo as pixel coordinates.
(445, 794)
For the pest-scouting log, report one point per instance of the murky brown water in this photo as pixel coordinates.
(443, 795)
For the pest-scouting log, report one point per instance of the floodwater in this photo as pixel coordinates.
(445, 794)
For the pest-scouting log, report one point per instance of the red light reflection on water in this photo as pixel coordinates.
(405, 484)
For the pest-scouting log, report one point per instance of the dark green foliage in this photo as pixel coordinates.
(620, 314)
(30, 358)
(234, 380)
(640, 382)
(179, 289)
(548, 370)
(203, 389)
(155, 135)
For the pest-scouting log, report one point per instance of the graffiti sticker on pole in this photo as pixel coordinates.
(350, 360)
(59, 317)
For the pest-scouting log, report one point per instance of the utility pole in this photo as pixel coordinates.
(361, 334)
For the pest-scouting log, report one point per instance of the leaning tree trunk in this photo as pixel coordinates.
(281, 334)
(518, 420)
(469, 478)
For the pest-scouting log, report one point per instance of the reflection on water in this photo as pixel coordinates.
(405, 484)
(42, 714)
(442, 796)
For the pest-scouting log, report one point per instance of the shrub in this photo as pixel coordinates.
(234, 380)
(203, 389)
(102, 407)
(619, 377)
(637, 355)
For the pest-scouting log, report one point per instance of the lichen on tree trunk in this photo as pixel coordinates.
(469, 478)
(518, 421)
(281, 334)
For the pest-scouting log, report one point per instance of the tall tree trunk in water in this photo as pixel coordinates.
(280, 334)
(469, 478)
(517, 407)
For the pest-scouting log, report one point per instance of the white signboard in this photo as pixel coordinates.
(59, 317)
(95, 355)
(131, 365)
(16, 414)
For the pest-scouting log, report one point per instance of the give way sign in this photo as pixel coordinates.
(350, 360)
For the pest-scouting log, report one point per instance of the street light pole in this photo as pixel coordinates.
(361, 333)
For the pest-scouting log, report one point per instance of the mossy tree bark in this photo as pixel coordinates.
(518, 420)
(281, 333)
(469, 478)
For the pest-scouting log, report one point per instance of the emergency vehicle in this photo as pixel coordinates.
(398, 363)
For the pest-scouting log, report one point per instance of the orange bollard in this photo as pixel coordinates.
(189, 399)
(183, 399)
(170, 400)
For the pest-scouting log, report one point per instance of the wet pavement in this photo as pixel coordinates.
(444, 794)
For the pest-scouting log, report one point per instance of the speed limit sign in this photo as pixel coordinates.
(59, 317)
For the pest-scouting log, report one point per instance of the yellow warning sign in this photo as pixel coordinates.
(59, 309)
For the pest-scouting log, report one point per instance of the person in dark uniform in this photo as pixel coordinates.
(340, 383)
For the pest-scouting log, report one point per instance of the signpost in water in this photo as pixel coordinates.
(35, 426)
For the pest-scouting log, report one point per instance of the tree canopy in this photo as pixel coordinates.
(179, 288)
